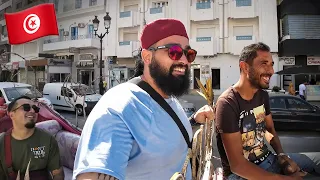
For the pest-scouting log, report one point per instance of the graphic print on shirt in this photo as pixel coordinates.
(38, 152)
(253, 128)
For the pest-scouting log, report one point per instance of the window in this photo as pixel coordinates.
(19, 5)
(160, 4)
(92, 2)
(13, 93)
(56, 5)
(296, 104)
(4, 30)
(215, 73)
(78, 4)
(277, 103)
(66, 92)
(74, 33)
(61, 31)
(243, 32)
(90, 31)
(1, 14)
(205, 34)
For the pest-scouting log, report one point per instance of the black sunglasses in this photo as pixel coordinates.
(175, 52)
(27, 108)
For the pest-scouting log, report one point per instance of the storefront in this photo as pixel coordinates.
(298, 69)
(58, 69)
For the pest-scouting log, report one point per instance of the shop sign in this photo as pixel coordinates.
(313, 61)
(59, 62)
(288, 60)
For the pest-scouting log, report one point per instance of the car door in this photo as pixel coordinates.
(65, 99)
(280, 115)
(303, 113)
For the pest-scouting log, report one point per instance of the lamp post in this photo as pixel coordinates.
(107, 22)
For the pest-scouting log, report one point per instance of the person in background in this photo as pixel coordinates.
(291, 89)
(128, 135)
(302, 90)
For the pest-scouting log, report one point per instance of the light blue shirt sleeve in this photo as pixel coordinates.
(105, 145)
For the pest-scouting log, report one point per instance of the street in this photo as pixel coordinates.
(292, 141)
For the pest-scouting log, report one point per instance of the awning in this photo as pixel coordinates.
(299, 70)
(36, 62)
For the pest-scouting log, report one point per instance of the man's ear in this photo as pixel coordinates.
(244, 66)
(10, 114)
(146, 56)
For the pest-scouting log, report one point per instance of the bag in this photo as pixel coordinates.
(41, 174)
(159, 99)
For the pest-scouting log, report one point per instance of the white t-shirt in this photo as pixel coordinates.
(302, 88)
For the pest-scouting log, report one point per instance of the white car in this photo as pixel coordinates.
(12, 90)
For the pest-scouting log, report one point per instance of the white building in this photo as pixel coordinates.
(218, 30)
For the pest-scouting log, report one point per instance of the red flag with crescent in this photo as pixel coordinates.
(31, 24)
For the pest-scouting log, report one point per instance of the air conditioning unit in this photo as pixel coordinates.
(81, 25)
(65, 33)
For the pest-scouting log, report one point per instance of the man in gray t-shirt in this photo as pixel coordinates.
(242, 118)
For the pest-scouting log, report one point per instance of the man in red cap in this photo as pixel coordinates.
(129, 134)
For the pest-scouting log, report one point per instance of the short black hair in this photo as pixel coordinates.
(14, 102)
(249, 53)
(139, 67)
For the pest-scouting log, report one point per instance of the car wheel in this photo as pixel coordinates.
(79, 110)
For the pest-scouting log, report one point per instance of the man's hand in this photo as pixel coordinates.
(289, 167)
(206, 112)
(58, 174)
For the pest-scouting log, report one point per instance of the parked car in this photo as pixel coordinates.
(293, 113)
(188, 107)
(12, 90)
(71, 97)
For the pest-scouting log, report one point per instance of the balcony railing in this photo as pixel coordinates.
(240, 3)
(201, 39)
(125, 14)
(243, 37)
(69, 38)
(155, 10)
(203, 5)
(124, 43)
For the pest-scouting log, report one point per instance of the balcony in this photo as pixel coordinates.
(242, 9)
(205, 46)
(128, 19)
(237, 43)
(126, 48)
(157, 13)
(81, 41)
(204, 11)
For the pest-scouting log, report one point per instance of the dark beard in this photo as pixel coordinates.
(30, 125)
(254, 79)
(167, 82)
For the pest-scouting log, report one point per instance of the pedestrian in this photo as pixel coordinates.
(128, 134)
(243, 120)
(302, 90)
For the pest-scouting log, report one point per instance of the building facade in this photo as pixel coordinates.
(299, 26)
(218, 30)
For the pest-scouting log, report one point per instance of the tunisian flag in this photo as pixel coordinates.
(31, 24)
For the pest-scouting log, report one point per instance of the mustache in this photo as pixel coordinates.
(266, 74)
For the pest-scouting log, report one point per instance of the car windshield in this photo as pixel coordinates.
(15, 92)
(83, 89)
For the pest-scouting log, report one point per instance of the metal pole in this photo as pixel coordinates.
(101, 83)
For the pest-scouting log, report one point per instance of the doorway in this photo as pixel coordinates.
(86, 77)
(196, 74)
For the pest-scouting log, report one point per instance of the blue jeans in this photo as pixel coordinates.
(308, 162)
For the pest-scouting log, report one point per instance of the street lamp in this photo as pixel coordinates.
(107, 22)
